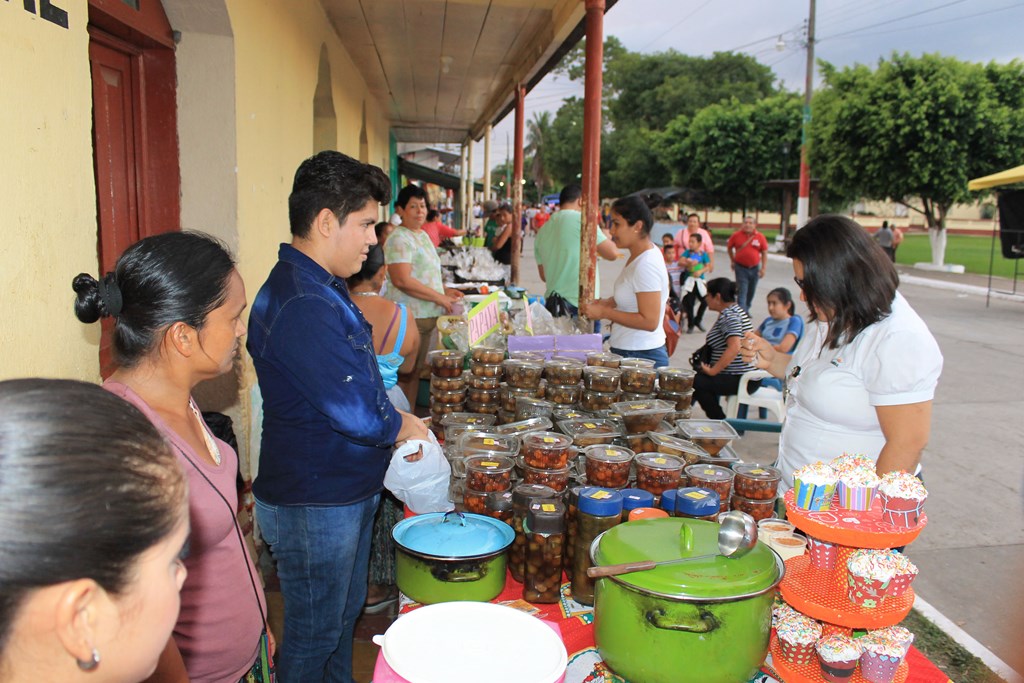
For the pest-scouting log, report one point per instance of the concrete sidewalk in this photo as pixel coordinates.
(971, 555)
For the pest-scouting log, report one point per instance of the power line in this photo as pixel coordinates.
(889, 21)
(771, 36)
(675, 25)
(934, 23)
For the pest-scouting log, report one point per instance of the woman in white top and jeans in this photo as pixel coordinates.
(637, 307)
(864, 374)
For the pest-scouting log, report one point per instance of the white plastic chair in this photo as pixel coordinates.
(762, 397)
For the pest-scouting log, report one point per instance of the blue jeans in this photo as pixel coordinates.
(322, 555)
(746, 284)
(658, 355)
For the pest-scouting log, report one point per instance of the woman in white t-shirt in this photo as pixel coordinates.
(863, 376)
(637, 308)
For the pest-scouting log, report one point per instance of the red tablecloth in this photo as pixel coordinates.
(585, 665)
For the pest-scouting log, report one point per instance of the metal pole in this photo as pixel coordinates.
(487, 162)
(803, 204)
(517, 182)
(470, 187)
(593, 77)
(463, 223)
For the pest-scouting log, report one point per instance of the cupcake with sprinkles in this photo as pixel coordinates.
(797, 636)
(857, 482)
(870, 573)
(897, 633)
(838, 656)
(904, 574)
(781, 611)
(902, 495)
(814, 485)
(881, 657)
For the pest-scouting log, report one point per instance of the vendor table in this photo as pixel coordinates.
(575, 622)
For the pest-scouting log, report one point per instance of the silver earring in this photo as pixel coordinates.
(92, 663)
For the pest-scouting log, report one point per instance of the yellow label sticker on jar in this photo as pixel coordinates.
(610, 451)
(490, 463)
(696, 495)
(590, 425)
(758, 471)
(549, 439)
(600, 495)
(489, 442)
(660, 461)
(704, 429)
(711, 472)
(547, 507)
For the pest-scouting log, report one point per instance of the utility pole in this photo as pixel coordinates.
(803, 204)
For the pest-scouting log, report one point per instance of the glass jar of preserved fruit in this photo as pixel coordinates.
(599, 510)
(572, 501)
(545, 540)
(522, 496)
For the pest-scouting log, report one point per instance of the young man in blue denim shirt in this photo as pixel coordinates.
(328, 426)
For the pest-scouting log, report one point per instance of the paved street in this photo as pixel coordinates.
(971, 555)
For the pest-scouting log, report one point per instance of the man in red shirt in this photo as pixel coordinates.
(748, 251)
(438, 231)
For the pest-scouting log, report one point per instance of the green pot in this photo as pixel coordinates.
(446, 557)
(706, 621)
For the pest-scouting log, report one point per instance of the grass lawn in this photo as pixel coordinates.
(968, 250)
(956, 662)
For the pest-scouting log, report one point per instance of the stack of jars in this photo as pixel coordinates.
(676, 386)
(447, 384)
(488, 475)
(485, 372)
(600, 386)
(638, 379)
(523, 379)
(545, 457)
(563, 377)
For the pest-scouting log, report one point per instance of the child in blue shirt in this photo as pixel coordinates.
(694, 262)
(782, 329)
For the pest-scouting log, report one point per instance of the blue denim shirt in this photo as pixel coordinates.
(328, 426)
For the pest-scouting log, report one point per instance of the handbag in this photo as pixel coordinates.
(700, 357)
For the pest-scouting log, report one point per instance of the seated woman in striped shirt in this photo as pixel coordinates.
(722, 376)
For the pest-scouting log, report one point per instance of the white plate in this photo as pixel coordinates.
(469, 642)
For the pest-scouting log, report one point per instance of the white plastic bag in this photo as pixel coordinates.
(422, 484)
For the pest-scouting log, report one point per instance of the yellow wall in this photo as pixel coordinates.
(277, 51)
(277, 57)
(47, 193)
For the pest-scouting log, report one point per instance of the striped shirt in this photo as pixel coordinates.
(732, 322)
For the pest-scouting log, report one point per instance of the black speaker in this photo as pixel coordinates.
(1011, 223)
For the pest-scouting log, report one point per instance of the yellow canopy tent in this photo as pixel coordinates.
(1007, 177)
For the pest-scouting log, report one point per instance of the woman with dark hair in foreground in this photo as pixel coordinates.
(93, 529)
(863, 376)
(177, 304)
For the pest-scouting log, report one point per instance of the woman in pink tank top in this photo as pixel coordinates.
(177, 303)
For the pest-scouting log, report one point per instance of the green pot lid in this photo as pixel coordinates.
(453, 534)
(714, 578)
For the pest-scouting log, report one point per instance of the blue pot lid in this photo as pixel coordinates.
(453, 534)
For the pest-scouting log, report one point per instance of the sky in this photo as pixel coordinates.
(847, 32)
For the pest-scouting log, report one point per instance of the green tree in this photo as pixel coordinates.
(628, 163)
(538, 133)
(728, 150)
(915, 129)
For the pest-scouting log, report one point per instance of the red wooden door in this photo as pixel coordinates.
(114, 133)
(131, 53)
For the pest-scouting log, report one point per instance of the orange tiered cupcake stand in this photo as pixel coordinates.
(822, 594)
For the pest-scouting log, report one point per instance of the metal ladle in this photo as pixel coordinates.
(737, 536)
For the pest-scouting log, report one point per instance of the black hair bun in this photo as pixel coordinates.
(88, 306)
